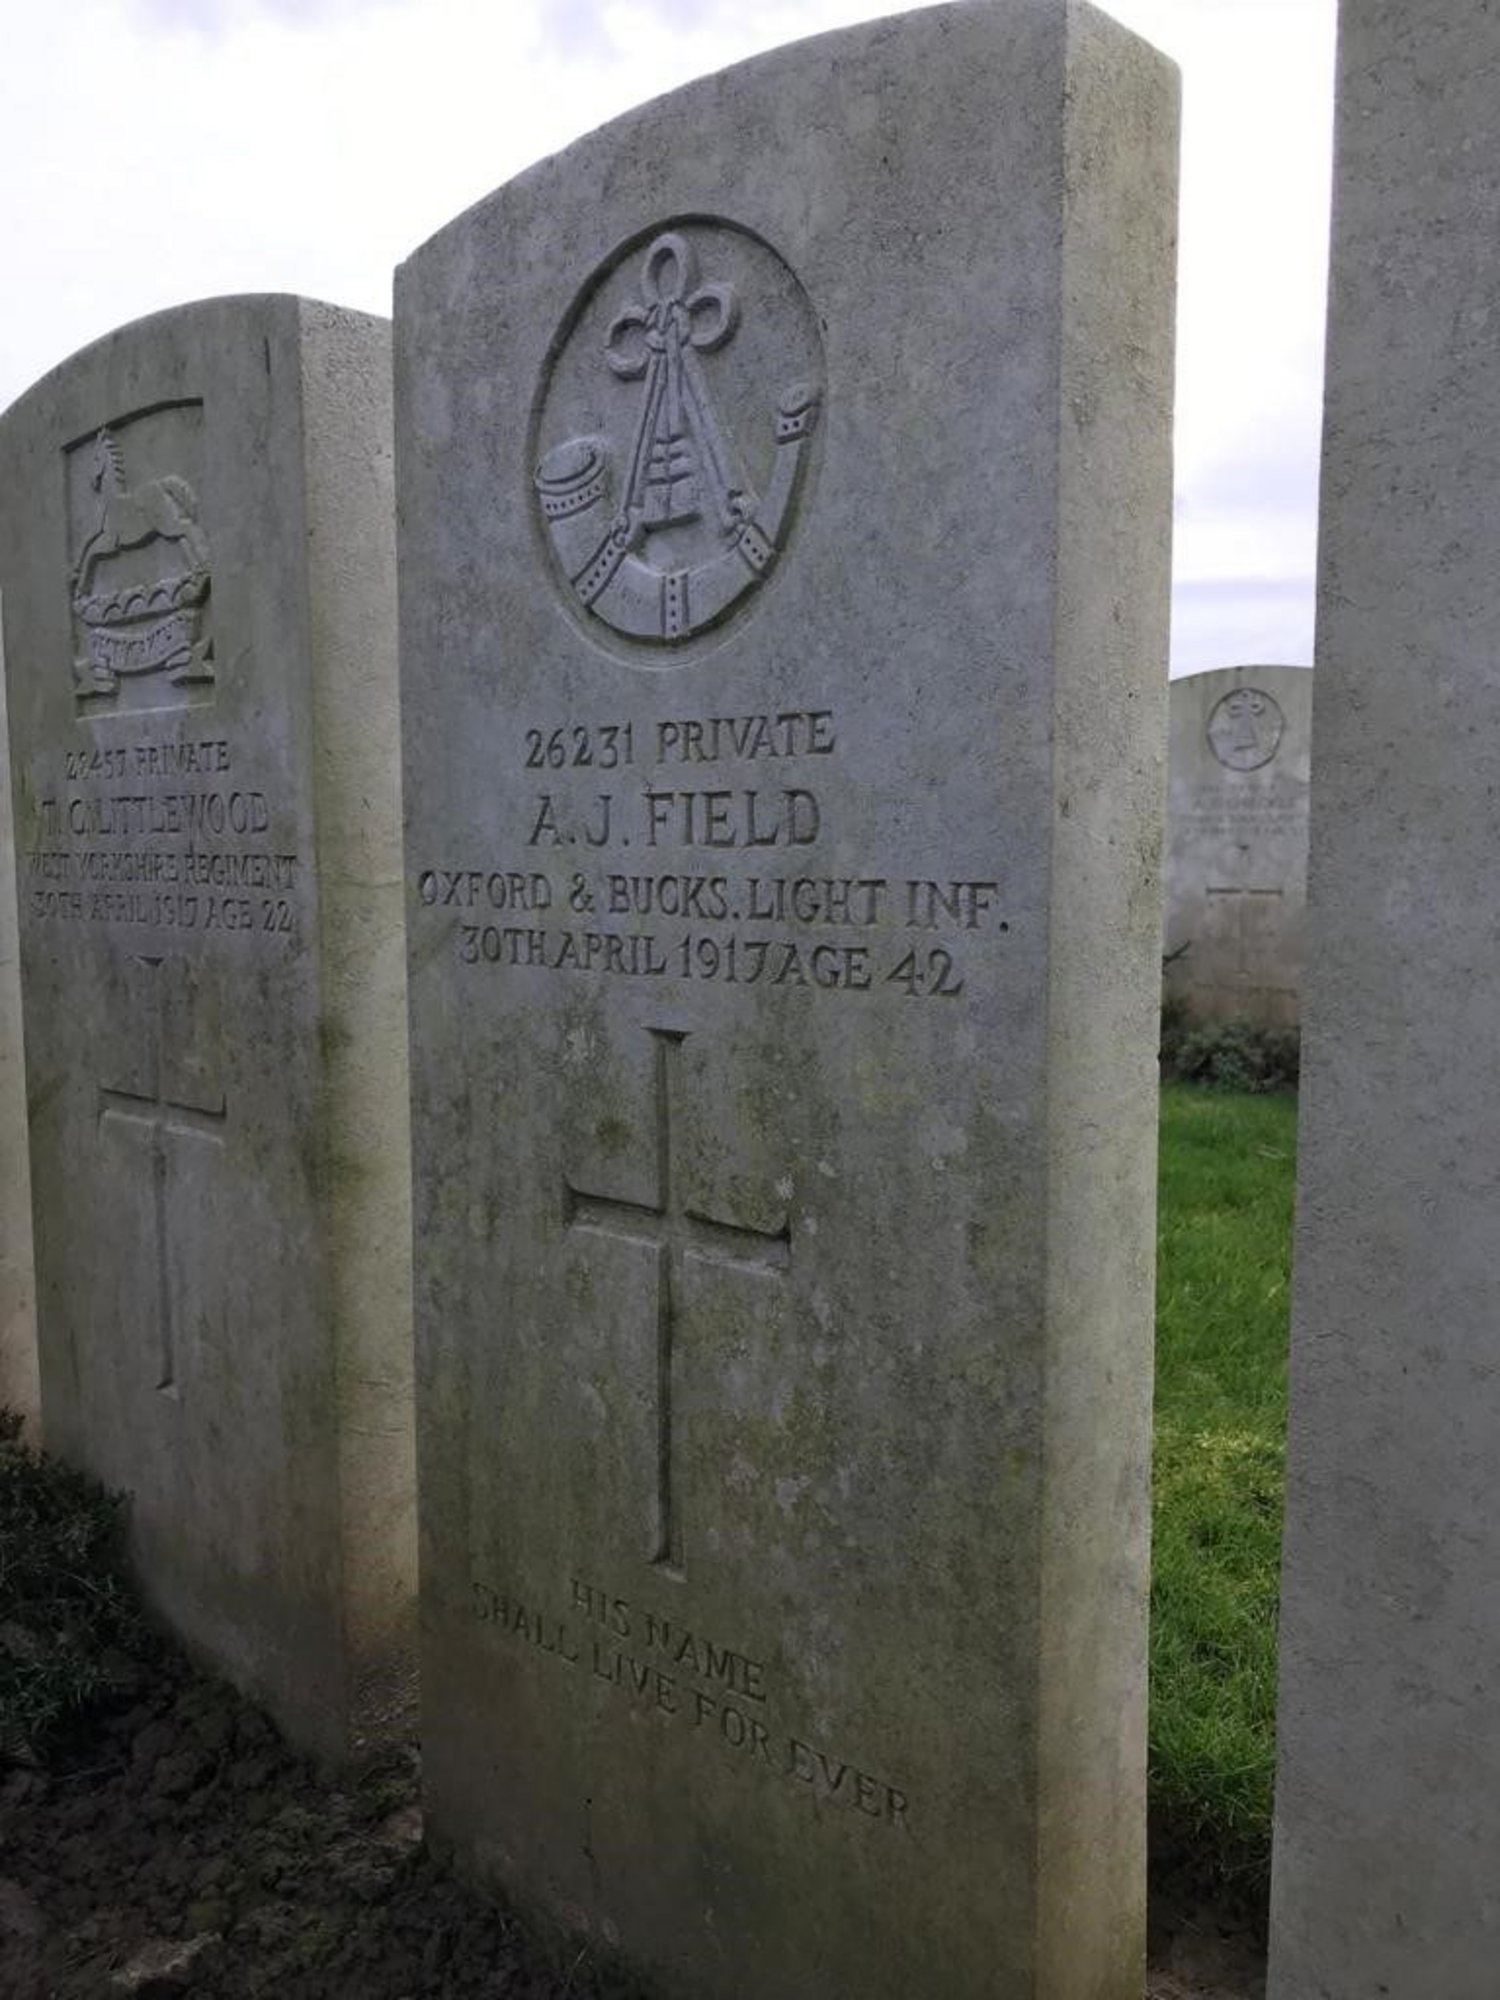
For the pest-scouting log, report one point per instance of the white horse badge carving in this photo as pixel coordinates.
(141, 607)
(662, 545)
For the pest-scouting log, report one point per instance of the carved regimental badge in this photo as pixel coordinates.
(140, 580)
(1244, 730)
(673, 439)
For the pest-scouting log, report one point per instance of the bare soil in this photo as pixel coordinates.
(177, 1846)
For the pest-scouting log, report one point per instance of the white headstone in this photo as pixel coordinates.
(784, 489)
(1236, 875)
(196, 552)
(1388, 1786)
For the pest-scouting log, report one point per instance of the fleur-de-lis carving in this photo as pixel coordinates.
(680, 446)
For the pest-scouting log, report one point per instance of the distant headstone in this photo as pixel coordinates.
(19, 1388)
(1388, 1788)
(197, 565)
(1236, 873)
(784, 488)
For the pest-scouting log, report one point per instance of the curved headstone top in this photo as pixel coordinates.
(784, 492)
(197, 580)
(1236, 864)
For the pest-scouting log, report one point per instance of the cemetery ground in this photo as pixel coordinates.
(156, 1836)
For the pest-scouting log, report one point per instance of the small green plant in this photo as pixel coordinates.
(70, 1622)
(1176, 1021)
(1227, 1055)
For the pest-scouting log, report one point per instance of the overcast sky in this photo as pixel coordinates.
(153, 151)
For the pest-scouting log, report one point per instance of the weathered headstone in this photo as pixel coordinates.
(19, 1391)
(1388, 1790)
(784, 480)
(1236, 874)
(197, 563)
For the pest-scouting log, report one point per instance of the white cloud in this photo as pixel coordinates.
(219, 17)
(158, 150)
(1257, 134)
(1241, 621)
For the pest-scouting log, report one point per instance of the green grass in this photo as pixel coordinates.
(1227, 1172)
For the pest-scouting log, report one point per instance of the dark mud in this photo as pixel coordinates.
(175, 1845)
(178, 1846)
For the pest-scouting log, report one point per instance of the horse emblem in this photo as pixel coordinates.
(139, 613)
(686, 535)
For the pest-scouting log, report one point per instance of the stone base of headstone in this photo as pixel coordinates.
(197, 565)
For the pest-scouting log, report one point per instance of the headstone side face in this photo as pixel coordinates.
(783, 711)
(1236, 880)
(20, 1389)
(1388, 1786)
(1108, 777)
(349, 453)
(199, 604)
